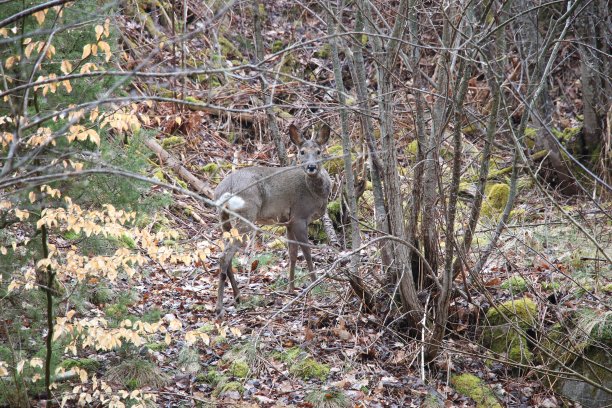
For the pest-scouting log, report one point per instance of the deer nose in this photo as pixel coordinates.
(311, 167)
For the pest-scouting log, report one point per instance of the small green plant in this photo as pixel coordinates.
(88, 364)
(136, 373)
(516, 284)
(308, 368)
(332, 398)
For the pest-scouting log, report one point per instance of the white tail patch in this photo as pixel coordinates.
(230, 201)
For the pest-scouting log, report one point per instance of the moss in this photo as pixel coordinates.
(516, 284)
(309, 368)
(212, 377)
(568, 134)
(227, 386)
(277, 46)
(159, 346)
(530, 137)
(496, 200)
(413, 148)
(87, 364)
(502, 337)
(159, 175)
(172, 141)
(607, 288)
(335, 164)
(521, 311)
(287, 356)
(228, 49)
(333, 209)
(210, 168)
(324, 52)
(469, 130)
(240, 369)
(473, 387)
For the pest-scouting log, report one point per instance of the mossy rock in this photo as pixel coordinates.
(172, 141)
(212, 377)
(496, 200)
(520, 311)
(289, 355)
(502, 337)
(308, 368)
(335, 165)
(473, 387)
(516, 284)
(316, 231)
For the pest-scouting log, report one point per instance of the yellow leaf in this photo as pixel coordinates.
(83, 376)
(50, 51)
(36, 377)
(3, 250)
(168, 339)
(12, 286)
(103, 45)
(32, 196)
(93, 115)
(178, 120)
(40, 16)
(22, 215)
(99, 30)
(107, 27)
(3, 371)
(86, 51)
(66, 67)
(26, 41)
(4, 32)
(20, 366)
(10, 61)
(78, 166)
(36, 362)
(29, 48)
(67, 85)
(236, 332)
(94, 49)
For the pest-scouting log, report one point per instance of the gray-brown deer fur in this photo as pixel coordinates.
(291, 196)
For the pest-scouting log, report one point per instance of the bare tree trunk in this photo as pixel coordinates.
(346, 142)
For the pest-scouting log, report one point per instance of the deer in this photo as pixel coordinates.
(291, 196)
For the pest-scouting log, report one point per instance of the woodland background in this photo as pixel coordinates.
(465, 256)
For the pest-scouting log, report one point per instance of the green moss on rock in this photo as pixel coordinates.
(496, 200)
(87, 364)
(473, 387)
(521, 311)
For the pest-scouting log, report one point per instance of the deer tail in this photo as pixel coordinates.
(230, 202)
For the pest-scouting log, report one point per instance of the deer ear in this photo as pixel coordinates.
(323, 135)
(295, 135)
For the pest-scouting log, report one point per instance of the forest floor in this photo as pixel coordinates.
(321, 349)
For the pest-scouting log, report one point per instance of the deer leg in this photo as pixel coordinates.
(293, 249)
(225, 266)
(301, 235)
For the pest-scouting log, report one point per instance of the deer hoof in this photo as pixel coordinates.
(220, 312)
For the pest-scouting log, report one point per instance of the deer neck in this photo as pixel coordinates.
(318, 185)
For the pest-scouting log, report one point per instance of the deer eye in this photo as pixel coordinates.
(318, 152)
(302, 152)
